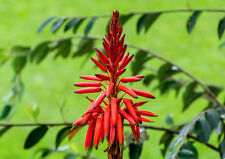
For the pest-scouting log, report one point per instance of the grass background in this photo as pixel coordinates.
(52, 81)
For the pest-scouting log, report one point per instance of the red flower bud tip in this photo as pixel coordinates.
(128, 91)
(86, 118)
(144, 119)
(130, 109)
(88, 84)
(94, 78)
(88, 90)
(120, 72)
(143, 94)
(99, 100)
(146, 113)
(103, 77)
(128, 117)
(99, 65)
(138, 104)
(78, 122)
(103, 58)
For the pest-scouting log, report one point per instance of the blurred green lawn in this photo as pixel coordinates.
(52, 80)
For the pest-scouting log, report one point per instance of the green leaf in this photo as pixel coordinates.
(70, 156)
(222, 149)
(169, 119)
(213, 118)
(5, 111)
(190, 95)
(139, 60)
(167, 85)
(135, 150)
(4, 130)
(89, 26)
(148, 79)
(35, 136)
(192, 21)
(85, 46)
(19, 63)
(221, 27)
(188, 151)
(165, 139)
(47, 21)
(166, 71)
(150, 20)
(61, 135)
(124, 18)
(146, 20)
(20, 50)
(71, 23)
(141, 23)
(57, 24)
(77, 25)
(40, 52)
(64, 48)
(216, 90)
(202, 130)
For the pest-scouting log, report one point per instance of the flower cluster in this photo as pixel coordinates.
(107, 112)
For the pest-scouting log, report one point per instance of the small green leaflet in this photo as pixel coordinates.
(61, 135)
(192, 21)
(165, 139)
(77, 25)
(89, 26)
(213, 118)
(221, 27)
(64, 48)
(124, 18)
(188, 151)
(222, 149)
(19, 63)
(135, 150)
(4, 130)
(57, 24)
(35, 136)
(47, 21)
(146, 21)
(167, 70)
(5, 111)
(71, 23)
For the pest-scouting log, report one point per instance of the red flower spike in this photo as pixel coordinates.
(99, 65)
(104, 114)
(88, 90)
(88, 84)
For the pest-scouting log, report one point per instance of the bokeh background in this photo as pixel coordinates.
(51, 82)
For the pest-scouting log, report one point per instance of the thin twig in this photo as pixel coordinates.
(155, 12)
(174, 131)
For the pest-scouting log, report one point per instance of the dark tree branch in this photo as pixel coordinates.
(174, 131)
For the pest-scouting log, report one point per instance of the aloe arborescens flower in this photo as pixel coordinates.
(107, 112)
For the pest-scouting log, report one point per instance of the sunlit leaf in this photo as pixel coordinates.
(89, 26)
(35, 136)
(188, 151)
(57, 24)
(221, 27)
(192, 21)
(47, 21)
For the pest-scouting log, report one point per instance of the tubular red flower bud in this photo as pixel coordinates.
(146, 113)
(120, 72)
(143, 94)
(130, 109)
(88, 84)
(128, 117)
(98, 129)
(119, 127)
(102, 57)
(144, 119)
(126, 62)
(99, 100)
(106, 121)
(138, 104)
(86, 118)
(88, 90)
(128, 91)
(78, 122)
(99, 65)
(94, 78)
(103, 77)
(89, 134)
(138, 76)
(112, 134)
(109, 89)
(129, 79)
(114, 111)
